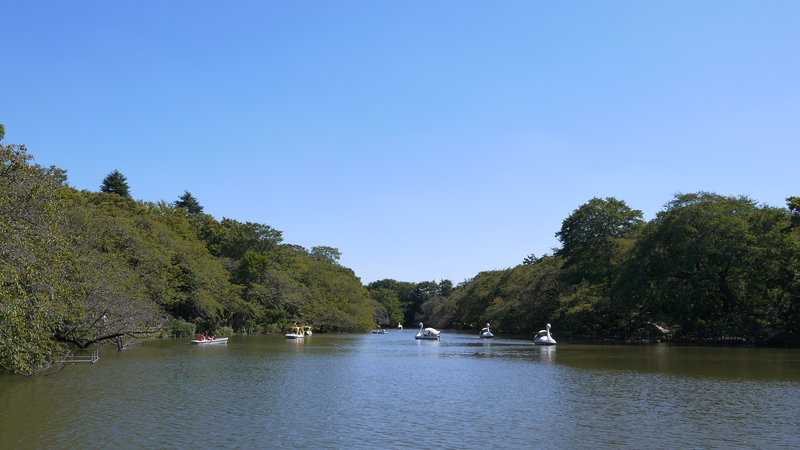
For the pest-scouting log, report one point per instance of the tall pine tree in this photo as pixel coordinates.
(191, 204)
(115, 183)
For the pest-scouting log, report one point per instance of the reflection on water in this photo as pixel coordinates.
(366, 391)
(548, 353)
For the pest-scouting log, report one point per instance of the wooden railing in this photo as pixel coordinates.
(91, 359)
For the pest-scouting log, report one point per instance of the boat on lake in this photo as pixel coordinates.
(307, 330)
(210, 341)
(543, 337)
(485, 333)
(427, 333)
(399, 326)
(296, 333)
(379, 330)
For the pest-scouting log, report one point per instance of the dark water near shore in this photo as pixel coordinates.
(391, 391)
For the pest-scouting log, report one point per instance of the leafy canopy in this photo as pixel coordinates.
(591, 236)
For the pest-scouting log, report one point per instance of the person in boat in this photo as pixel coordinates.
(202, 337)
(213, 336)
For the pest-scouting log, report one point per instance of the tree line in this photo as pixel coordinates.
(706, 265)
(79, 268)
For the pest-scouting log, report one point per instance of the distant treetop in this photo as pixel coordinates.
(190, 203)
(115, 183)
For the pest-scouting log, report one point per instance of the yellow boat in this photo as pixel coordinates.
(296, 333)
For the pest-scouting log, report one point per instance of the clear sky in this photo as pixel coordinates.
(425, 140)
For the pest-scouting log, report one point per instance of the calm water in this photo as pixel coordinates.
(391, 391)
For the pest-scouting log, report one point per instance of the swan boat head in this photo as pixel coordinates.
(543, 337)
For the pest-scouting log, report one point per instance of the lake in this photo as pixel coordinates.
(392, 391)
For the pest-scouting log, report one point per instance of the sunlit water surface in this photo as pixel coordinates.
(391, 391)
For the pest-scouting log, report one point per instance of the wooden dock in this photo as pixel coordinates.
(91, 359)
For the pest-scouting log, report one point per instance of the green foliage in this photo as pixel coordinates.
(327, 255)
(333, 297)
(422, 293)
(513, 300)
(251, 268)
(592, 235)
(581, 307)
(240, 238)
(179, 328)
(115, 183)
(82, 268)
(224, 331)
(2, 131)
(390, 301)
(405, 295)
(149, 261)
(445, 288)
(36, 264)
(188, 202)
(530, 260)
(291, 286)
(714, 262)
(706, 263)
(793, 203)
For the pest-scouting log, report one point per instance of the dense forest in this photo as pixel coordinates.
(79, 268)
(707, 267)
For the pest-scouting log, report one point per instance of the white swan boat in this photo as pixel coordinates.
(543, 337)
(210, 341)
(427, 333)
(485, 333)
(296, 333)
(307, 330)
(399, 326)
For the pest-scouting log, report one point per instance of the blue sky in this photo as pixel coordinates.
(425, 140)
